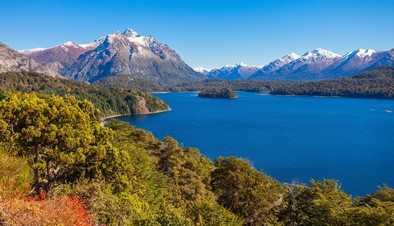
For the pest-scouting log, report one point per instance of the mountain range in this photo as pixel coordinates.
(144, 58)
(127, 53)
(317, 64)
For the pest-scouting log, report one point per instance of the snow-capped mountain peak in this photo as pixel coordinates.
(119, 53)
(278, 63)
(319, 53)
(289, 57)
(240, 64)
(31, 51)
(130, 33)
(94, 44)
(361, 53)
(69, 43)
(293, 55)
(202, 69)
(365, 52)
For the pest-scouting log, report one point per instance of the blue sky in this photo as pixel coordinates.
(207, 33)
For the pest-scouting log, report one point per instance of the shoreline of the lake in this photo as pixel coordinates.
(104, 119)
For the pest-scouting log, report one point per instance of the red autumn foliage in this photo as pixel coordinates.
(17, 209)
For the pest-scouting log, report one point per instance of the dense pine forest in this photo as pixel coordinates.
(59, 166)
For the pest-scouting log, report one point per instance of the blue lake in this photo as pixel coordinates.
(289, 138)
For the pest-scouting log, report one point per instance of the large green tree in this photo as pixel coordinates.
(246, 191)
(56, 134)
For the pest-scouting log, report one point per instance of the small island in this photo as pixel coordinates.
(218, 93)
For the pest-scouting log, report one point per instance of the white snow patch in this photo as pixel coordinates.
(31, 51)
(93, 44)
(64, 48)
(70, 43)
(240, 64)
(289, 58)
(202, 69)
(319, 53)
(140, 40)
(130, 33)
(365, 52)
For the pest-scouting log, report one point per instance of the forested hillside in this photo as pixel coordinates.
(108, 101)
(376, 83)
(128, 82)
(58, 166)
(238, 85)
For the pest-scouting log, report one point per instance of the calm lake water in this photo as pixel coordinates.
(289, 138)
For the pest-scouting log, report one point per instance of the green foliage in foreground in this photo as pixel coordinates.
(108, 101)
(126, 176)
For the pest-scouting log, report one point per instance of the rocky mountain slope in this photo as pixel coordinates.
(126, 53)
(66, 53)
(308, 66)
(11, 60)
(275, 65)
(360, 60)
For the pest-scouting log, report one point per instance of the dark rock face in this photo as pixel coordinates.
(11, 60)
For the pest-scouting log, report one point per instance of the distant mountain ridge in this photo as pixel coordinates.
(11, 60)
(318, 64)
(202, 70)
(238, 71)
(126, 53)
